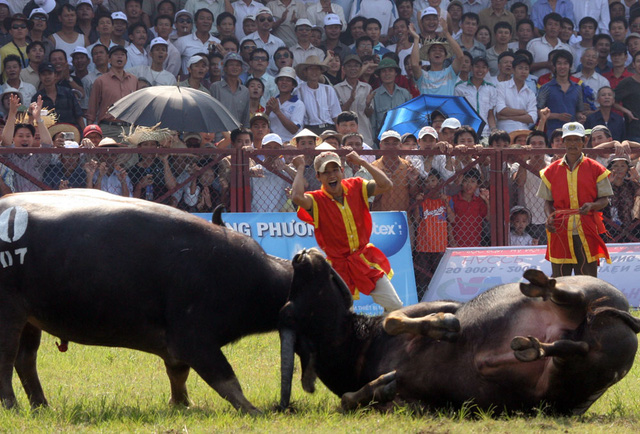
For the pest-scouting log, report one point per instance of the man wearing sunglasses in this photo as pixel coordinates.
(18, 27)
(264, 39)
(200, 41)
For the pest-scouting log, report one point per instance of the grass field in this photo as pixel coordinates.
(94, 389)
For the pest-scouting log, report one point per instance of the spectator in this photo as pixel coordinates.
(618, 28)
(627, 94)
(432, 234)
(429, 23)
(480, 94)
(259, 127)
(335, 230)
(528, 184)
(17, 26)
(561, 95)
(474, 6)
(303, 48)
(85, 16)
(136, 52)
(104, 27)
(496, 13)
(372, 29)
(389, 95)
(164, 26)
(67, 39)
(215, 68)
(135, 13)
(618, 71)
(243, 9)
(230, 91)
(348, 122)
(118, 33)
(197, 66)
(91, 136)
(524, 33)
(258, 63)
(356, 96)
(483, 35)
(200, 41)
(333, 75)
(597, 9)
(470, 208)
(404, 45)
(622, 213)
(35, 53)
(384, 10)
(588, 74)
(80, 61)
(22, 135)
(401, 173)
(100, 59)
(443, 164)
(454, 17)
(466, 39)
(60, 62)
(38, 18)
(602, 42)
(205, 191)
(633, 44)
(283, 57)
(12, 69)
(60, 98)
(256, 92)
(307, 140)
(286, 111)
(264, 39)
(541, 47)
(503, 33)
(505, 69)
(542, 8)
(605, 116)
(67, 172)
(519, 10)
(320, 100)
(439, 80)
(355, 28)
(151, 176)
(587, 30)
(183, 24)
(516, 103)
(520, 219)
(107, 174)
(269, 178)
(565, 249)
(285, 15)
(448, 129)
(226, 25)
(155, 73)
(332, 29)
(109, 88)
(246, 48)
(316, 11)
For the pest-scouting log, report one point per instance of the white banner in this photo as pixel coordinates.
(464, 273)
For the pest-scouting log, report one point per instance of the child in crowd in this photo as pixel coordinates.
(520, 220)
(471, 207)
(432, 235)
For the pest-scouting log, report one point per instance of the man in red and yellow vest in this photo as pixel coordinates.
(575, 189)
(339, 212)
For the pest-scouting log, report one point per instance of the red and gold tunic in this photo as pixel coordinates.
(343, 232)
(570, 190)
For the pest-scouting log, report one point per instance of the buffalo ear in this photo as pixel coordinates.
(344, 289)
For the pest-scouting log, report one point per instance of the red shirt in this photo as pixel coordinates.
(570, 190)
(343, 232)
(467, 227)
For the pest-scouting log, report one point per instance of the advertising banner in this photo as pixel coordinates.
(283, 234)
(464, 273)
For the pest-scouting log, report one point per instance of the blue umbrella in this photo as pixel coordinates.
(411, 116)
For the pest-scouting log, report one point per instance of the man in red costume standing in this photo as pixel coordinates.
(339, 212)
(575, 189)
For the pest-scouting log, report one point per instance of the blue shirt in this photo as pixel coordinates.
(551, 95)
(542, 8)
(616, 124)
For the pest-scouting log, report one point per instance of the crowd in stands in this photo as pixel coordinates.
(298, 74)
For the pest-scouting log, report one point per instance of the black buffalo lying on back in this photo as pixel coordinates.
(559, 342)
(98, 269)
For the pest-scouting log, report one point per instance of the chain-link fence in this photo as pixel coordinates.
(465, 199)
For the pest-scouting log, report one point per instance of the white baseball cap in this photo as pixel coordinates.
(452, 123)
(80, 50)
(573, 129)
(157, 41)
(119, 16)
(272, 137)
(332, 19)
(264, 10)
(428, 11)
(303, 22)
(89, 2)
(36, 11)
(390, 134)
(194, 59)
(428, 131)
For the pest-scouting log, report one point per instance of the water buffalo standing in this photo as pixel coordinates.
(97, 269)
(560, 342)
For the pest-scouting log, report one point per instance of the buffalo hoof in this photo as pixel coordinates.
(526, 349)
(438, 326)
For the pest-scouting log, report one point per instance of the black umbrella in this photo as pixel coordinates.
(174, 107)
